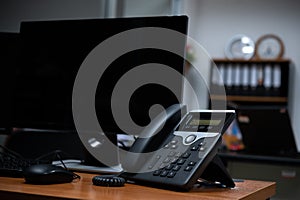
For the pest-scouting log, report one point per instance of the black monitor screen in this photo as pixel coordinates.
(52, 53)
(9, 45)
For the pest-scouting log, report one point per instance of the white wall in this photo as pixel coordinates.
(213, 22)
(146, 7)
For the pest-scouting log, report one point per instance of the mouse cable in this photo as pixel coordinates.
(11, 152)
(57, 154)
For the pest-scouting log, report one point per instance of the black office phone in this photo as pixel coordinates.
(184, 151)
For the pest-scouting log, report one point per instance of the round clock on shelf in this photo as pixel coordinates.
(269, 46)
(240, 47)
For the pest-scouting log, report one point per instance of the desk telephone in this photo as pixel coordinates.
(183, 151)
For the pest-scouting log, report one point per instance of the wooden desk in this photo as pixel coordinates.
(15, 188)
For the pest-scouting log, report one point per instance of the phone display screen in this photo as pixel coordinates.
(198, 122)
(206, 122)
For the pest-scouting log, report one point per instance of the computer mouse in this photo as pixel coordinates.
(48, 174)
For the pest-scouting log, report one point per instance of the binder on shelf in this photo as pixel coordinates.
(228, 80)
(245, 77)
(276, 76)
(254, 77)
(268, 76)
(237, 76)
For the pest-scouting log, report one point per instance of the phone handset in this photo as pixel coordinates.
(161, 126)
(151, 137)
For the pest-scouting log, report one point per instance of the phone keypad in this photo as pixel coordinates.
(175, 161)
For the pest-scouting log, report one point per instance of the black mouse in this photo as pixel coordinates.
(48, 174)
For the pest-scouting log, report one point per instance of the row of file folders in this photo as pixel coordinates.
(250, 79)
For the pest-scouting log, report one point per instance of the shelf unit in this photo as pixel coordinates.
(250, 81)
(258, 91)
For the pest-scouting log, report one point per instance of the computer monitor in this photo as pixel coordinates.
(52, 53)
(9, 45)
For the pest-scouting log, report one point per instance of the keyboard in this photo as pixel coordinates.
(12, 164)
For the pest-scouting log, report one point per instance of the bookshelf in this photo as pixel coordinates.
(258, 91)
(251, 81)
